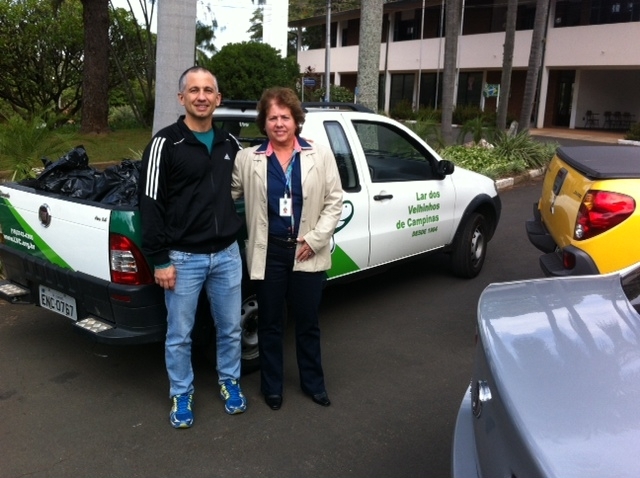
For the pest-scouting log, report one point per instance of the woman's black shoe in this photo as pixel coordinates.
(321, 399)
(274, 401)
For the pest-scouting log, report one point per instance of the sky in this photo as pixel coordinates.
(233, 17)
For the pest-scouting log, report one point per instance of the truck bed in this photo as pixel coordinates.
(598, 162)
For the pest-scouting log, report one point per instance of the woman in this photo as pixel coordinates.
(293, 201)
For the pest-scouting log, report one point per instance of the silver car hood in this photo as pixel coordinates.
(563, 359)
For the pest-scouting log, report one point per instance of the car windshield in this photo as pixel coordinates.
(244, 129)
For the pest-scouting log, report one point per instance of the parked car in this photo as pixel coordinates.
(555, 384)
(587, 220)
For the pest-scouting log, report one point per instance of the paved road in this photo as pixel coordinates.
(397, 352)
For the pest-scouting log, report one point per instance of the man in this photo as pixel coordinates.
(189, 227)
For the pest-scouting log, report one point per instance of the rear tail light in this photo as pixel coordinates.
(601, 211)
(128, 265)
(568, 260)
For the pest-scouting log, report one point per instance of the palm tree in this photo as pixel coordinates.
(452, 30)
(369, 53)
(175, 53)
(507, 64)
(535, 58)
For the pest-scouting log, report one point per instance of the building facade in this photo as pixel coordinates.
(589, 77)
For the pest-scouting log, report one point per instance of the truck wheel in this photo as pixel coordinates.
(470, 247)
(249, 323)
(204, 334)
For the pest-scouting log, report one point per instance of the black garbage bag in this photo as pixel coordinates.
(56, 173)
(72, 176)
(118, 185)
(80, 183)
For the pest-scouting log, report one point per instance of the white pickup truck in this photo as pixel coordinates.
(82, 259)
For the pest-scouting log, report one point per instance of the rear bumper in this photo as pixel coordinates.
(551, 262)
(463, 454)
(538, 234)
(107, 312)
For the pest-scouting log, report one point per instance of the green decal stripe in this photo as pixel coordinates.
(341, 263)
(11, 219)
(127, 223)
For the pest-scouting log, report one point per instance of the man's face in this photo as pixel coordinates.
(200, 97)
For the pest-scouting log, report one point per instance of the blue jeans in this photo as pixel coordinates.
(221, 275)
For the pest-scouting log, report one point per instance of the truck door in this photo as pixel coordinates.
(350, 245)
(410, 207)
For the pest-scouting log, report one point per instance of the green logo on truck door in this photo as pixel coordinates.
(19, 235)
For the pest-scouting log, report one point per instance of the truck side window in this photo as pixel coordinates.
(344, 156)
(392, 155)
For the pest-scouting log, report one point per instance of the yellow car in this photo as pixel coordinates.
(587, 220)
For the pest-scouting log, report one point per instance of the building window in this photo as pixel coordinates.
(401, 89)
(469, 88)
(430, 90)
(407, 25)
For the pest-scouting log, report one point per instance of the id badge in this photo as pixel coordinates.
(285, 206)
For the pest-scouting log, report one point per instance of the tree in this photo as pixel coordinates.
(133, 63)
(95, 87)
(244, 70)
(205, 36)
(174, 53)
(452, 31)
(369, 53)
(255, 30)
(41, 61)
(535, 58)
(507, 64)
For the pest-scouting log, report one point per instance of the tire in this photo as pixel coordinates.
(249, 323)
(204, 334)
(470, 247)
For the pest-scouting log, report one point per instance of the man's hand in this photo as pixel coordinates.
(166, 277)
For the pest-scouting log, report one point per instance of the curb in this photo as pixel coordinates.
(506, 183)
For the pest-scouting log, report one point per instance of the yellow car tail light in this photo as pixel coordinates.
(601, 211)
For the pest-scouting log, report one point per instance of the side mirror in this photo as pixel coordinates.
(444, 168)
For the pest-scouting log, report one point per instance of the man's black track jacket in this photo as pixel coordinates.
(185, 193)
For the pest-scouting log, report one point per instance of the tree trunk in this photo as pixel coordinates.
(507, 64)
(452, 31)
(95, 83)
(535, 58)
(369, 53)
(175, 53)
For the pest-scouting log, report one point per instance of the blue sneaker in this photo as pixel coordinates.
(232, 395)
(181, 415)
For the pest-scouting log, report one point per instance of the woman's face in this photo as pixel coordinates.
(280, 125)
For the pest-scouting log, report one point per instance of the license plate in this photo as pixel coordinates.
(58, 302)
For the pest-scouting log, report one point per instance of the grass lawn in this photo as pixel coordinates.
(103, 148)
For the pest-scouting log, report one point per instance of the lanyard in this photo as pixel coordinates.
(288, 187)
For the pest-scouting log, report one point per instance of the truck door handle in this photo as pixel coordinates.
(380, 197)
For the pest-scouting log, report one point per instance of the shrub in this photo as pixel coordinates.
(521, 147)
(123, 117)
(430, 131)
(403, 110)
(511, 154)
(24, 142)
(462, 114)
(337, 93)
(429, 114)
(634, 133)
(478, 129)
